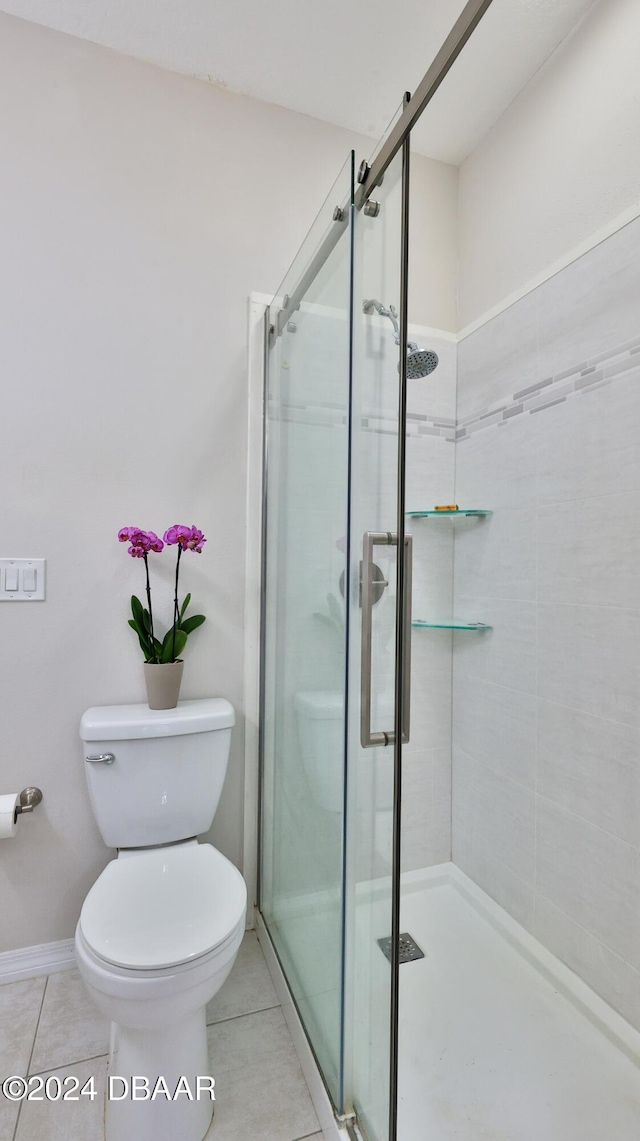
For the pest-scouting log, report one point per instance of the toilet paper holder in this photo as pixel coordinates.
(30, 798)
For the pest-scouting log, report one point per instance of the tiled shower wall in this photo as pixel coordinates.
(546, 707)
(426, 799)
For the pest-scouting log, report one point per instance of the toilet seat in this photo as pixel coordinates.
(163, 907)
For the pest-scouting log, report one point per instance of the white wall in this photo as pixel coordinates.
(560, 164)
(140, 208)
(433, 244)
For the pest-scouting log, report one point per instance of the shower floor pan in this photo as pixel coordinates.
(499, 1041)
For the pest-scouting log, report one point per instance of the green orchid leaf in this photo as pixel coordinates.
(181, 641)
(191, 624)
(168, 652)
(185, 604)
(137, 611)
(138, 629)
(146, 618)
(144, 642)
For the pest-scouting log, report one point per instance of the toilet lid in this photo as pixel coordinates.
(163, 907)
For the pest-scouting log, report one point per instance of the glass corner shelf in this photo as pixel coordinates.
(459, 511)
(451, 625)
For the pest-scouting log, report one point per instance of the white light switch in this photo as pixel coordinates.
(22, 580)
(11, 578)
(29, 579)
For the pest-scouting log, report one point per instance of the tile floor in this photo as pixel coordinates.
(49, 1025)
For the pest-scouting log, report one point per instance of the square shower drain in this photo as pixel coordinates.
(409, 949)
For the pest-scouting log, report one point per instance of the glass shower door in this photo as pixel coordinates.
(330, 757)
(303, 816)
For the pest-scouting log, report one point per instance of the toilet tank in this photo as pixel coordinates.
(169, 766)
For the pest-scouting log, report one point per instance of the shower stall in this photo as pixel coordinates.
(449, 833)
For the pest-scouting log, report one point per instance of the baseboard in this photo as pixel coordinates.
(44, 959)
(319, 1096)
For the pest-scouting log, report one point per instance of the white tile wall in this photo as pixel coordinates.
(546, 708)
(589, 551)
(432, 567)
(426, 800)
(590, 875)
(430, 471)
(426, 813)
(430, 691)
(504, 655)
(500, 358)
(588, 446)
(589, 659)
(590, 767)
(496, 557)
(592, 304)
(496, 725)
(609, 974)
(497, 467)
(494, 814)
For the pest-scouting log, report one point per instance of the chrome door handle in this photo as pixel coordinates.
(368, 738)
(102, 759)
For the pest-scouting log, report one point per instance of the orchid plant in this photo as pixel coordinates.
(141, 545)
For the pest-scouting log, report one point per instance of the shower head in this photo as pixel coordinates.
(420, 362)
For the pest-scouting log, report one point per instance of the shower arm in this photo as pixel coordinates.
(391, 312)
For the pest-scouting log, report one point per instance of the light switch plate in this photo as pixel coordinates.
(16, 568)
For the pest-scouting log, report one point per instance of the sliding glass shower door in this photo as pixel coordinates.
(332, 623)
(305, 646)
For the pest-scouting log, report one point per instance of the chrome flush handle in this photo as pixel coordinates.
(102, 759)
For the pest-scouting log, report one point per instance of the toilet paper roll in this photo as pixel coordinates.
(8, 816)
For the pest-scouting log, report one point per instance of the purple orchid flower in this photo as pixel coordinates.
(155, 544)
(187, 538)
(141, 541)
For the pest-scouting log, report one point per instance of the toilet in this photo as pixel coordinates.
(161, 927)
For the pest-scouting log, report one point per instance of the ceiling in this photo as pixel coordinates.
(345, 61)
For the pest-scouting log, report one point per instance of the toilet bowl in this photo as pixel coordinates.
(160, 929)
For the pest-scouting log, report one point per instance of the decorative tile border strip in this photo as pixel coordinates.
(419, 425)
(598, 371)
